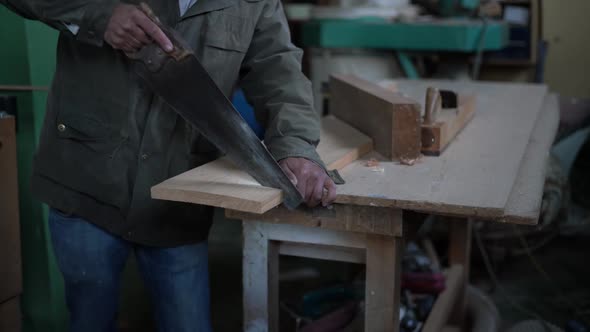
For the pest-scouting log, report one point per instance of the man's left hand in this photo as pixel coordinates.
(311, 180)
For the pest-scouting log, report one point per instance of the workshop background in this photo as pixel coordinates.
(520, 274)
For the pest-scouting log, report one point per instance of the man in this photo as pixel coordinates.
(107, 139)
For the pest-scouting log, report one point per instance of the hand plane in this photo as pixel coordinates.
(445, 114)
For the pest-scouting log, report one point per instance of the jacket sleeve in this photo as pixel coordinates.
(281, 95)
(92, 16)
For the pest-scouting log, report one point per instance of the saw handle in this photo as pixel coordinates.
(432, 106)
(152, 55)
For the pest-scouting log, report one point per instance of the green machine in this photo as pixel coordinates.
(457, 7)
(28, 60)
(454, 31)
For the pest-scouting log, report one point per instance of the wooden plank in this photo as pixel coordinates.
(222, 184)
(437, 136)
(308, 235)
(331, 253)
(382, 293)
(441, 311)
(341, 144)
(475, 175)
(361, 219)
(392, 120)
(524, 202)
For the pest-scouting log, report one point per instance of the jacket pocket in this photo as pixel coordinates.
(228, 32)
(87, 131)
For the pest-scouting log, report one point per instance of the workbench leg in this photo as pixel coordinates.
(382, 293)
(260, 279)
(460, 253)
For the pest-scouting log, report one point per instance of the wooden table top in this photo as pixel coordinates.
(494, 169)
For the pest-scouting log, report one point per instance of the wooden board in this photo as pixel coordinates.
(524, 203)
(392, 120)
(221, 184)
(341, 144)
(475, 175)
(437, 136)
(360, 219)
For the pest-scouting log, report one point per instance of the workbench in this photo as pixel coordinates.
(494, 171)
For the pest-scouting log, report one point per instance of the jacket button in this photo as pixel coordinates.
(144, 156)
(61, 127)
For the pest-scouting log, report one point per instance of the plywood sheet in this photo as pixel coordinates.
(475, 175)
(524, 203)
(473, 178)
(221, 184)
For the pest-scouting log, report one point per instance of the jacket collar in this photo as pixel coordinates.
(205, 6)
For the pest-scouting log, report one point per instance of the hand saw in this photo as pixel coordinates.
(202, 104)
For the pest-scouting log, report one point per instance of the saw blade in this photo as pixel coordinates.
(184, 84)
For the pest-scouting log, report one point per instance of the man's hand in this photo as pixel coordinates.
(129, 29)
(311, 180)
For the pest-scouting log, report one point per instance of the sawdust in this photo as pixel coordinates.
(374, 165)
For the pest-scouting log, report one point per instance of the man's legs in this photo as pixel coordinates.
(91, 261)
(178, 281)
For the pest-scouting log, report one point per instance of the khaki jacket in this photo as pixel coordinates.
(107, 139)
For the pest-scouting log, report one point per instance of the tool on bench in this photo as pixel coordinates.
(394, 120)
(182, 82)
(445, 115)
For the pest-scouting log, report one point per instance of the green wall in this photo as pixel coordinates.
(27, 54)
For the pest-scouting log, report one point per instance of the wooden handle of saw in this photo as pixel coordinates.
(152, 55)
(432, 106)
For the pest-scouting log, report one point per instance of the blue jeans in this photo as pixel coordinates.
(92, 260)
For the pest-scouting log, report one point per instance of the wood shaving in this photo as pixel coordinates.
(372, 162)
(377, 169)
(409, 161)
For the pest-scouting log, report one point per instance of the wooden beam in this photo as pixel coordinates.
(382, 293)
(361, 219)
(331, 253)
(390, 119)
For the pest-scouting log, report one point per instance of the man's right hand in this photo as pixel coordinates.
(129, 29)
